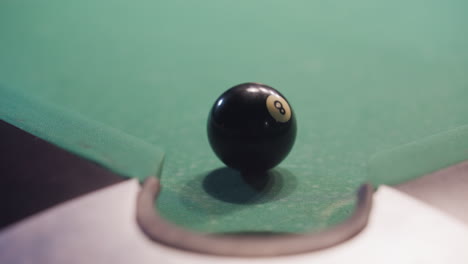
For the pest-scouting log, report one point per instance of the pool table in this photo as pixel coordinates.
(379, 90)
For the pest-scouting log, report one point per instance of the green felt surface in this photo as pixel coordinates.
(362, 76)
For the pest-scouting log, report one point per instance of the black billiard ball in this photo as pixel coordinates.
(251, 127)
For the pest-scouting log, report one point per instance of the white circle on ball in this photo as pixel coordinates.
(278, 108)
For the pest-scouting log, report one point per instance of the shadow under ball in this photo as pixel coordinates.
(251, 128)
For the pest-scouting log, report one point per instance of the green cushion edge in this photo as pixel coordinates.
(418, 158)
(109, 147)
